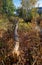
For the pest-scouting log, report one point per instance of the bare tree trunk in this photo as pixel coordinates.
(16, 38)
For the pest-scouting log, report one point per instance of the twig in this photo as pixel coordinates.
(35, 60)
(3, 62)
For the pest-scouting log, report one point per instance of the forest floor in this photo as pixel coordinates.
(30, 47)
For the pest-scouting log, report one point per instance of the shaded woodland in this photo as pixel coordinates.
(20, 41)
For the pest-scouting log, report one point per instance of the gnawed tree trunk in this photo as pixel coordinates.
(16, 38)
(16, 31)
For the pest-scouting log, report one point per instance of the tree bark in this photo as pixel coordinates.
(16, 38)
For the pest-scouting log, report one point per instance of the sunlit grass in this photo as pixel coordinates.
(25, 26)
(5, 24)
